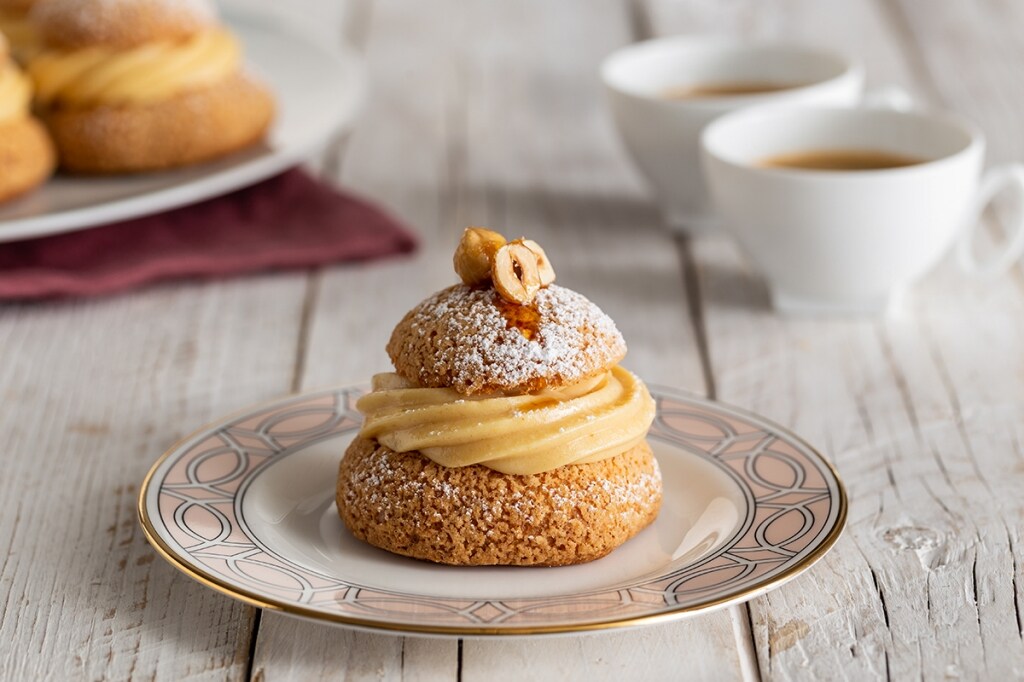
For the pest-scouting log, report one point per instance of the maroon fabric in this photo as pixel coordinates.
(290, 221)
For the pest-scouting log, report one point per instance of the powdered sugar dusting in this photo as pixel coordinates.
(92, 16)
(471, 345)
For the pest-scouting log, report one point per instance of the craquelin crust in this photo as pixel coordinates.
(475, 516)
(26, 157)
(188, 128)
(119, 24)
(472, 340)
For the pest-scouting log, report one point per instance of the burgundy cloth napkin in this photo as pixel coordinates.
(290, 221)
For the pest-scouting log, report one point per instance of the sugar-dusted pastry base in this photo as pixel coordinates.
(26, 157)
(475, 516)
(189, 128)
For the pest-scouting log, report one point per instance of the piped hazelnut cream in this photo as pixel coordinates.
(96, 75)
(588, 421)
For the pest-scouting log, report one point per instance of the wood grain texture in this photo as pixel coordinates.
(898, 595)
(921, 413)
(494, 117)
(296, 651)
(697, 649)
(968, 55)
(93, 393)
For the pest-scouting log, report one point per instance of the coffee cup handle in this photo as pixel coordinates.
(995, 181)
(890, 97)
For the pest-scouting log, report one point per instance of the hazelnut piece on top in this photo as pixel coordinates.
(517, 270)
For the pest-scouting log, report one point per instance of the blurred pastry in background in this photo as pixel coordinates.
(18, 29)
(140, 85)
(26, 154)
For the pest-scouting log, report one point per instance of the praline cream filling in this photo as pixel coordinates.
(15, 92)
(149, 73)
(589, 421)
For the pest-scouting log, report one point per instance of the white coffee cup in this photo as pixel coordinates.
(663, 135)
(850, 241)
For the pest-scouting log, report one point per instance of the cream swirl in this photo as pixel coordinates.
(586, 422)
(98, 75)
(15, 93)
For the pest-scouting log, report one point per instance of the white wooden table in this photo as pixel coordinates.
(491, 113)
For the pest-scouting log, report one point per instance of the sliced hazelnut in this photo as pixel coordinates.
(515, 273)
(547, 272)
(474, 256)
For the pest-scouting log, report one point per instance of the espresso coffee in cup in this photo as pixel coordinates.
(725, 89)
(840, 160)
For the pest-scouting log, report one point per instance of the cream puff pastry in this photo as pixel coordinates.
(508, 433)
(139, 85)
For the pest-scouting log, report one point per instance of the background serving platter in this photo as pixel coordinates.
(319, 89)
(246, 506)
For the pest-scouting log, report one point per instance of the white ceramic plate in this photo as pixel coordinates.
(246, 506)
(319, 90)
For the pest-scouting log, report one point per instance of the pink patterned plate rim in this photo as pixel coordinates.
(245, 506)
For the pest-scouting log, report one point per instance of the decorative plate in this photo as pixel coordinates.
(246, 506)
(319, 90)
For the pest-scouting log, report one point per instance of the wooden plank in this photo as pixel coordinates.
(968, 55)
(976, 353)
(660, 652)
(924, 425)
(491, 114)
(920, 413)
(289, 650)
(93, 392)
